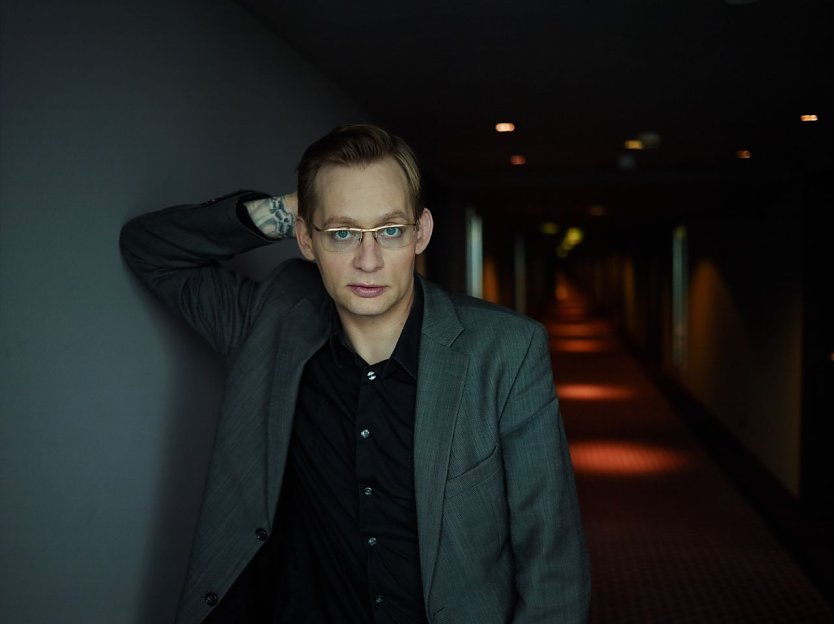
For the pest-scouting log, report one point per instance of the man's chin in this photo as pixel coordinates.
(366, 307)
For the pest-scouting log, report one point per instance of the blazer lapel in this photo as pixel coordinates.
(302, 333)
(440, 380)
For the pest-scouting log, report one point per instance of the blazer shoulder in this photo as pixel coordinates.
(472, 310)
(476, 326)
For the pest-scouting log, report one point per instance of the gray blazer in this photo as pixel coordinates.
(499, 527)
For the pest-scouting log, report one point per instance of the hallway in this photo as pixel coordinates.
(671, 540)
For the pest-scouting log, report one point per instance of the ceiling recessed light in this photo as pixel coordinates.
(518, 159)
(809, 118)
(505, 126)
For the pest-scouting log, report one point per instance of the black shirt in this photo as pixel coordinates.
(349, 535)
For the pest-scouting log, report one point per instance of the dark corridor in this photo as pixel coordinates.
(671, 538)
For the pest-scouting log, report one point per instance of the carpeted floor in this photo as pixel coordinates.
(671, 540)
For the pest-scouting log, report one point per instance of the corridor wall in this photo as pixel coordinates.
(108, 405)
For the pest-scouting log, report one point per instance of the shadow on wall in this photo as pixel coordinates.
(193, 399)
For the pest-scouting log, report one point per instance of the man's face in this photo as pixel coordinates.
(369, 285)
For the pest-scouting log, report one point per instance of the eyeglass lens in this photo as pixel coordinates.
(388, 237)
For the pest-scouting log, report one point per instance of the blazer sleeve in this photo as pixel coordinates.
(176, 253)
(552, 569)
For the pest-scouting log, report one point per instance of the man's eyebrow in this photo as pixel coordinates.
(396, 216)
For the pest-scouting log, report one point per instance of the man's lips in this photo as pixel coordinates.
(366, 290)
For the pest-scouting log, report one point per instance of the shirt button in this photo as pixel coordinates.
(368, 491)
(211, 599)
(261, 534)
(371, 375)
(371, 541)
(379, 599)
(364, 433)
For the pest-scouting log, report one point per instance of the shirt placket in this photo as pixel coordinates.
(368, 421)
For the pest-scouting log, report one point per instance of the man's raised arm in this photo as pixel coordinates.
(274, 216)
(176, 253)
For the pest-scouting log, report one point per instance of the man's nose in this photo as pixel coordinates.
(368, 254)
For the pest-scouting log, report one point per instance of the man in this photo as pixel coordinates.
(386, 452)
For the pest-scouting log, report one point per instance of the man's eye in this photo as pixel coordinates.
(392, 231)
(341, 235)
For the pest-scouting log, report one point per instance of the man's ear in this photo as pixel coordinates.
(426, 225)
(304, 240)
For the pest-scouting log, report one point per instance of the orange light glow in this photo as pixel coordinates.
(625, 459)
(743, 154)
(634, 144)
(582, 345)
(568, 311)
(505, 126)
(809, 118)
(588, 329)
(518, 159)
(490, 280)
(594, 392)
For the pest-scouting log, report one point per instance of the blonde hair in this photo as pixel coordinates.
(355, 145)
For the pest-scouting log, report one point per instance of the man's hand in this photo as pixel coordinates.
(274, 216)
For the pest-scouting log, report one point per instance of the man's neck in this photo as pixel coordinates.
(375, 338)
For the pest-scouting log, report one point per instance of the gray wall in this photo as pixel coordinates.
(107, 408)
(744, 359)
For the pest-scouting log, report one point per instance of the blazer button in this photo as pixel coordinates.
(211, 599)
(261, 534)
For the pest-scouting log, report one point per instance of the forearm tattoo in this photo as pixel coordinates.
(272, 218)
